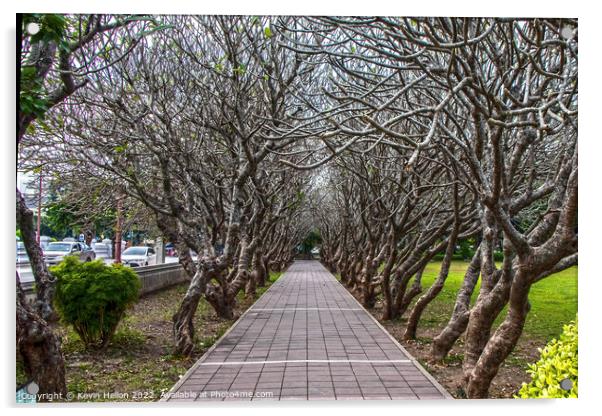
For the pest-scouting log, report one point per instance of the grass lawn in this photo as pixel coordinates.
(553, 300)
(139, 360)
(553, 304)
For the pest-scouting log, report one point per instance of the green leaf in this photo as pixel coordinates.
(267, 32)
(156, 29)
(241, 69)
(559, 361)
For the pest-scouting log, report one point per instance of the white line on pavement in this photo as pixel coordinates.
(306, 309)
(303, 361)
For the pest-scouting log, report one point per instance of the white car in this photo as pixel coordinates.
(56, 251)
(139, 256)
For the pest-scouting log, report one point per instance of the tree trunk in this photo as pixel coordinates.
(356, 271)
(385, 285)
(185, 259)
(183, 319)
(368, 296)
(222, 297)
(251, 285)
(499, 346)
(386, 291)
(402, 277)
(458, 322)
(342, 267)
(39, 348)
(401, 299)
(400, 286)
(275, 266)
(265, 263)
(44, 280)
(259, 265)
(437, 286)
(221, 302)
(422, 303)
(242, 278)
(346, 276)
(414, 291)
(482, 317)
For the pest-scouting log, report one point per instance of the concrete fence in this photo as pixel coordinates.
(160, 276)
(152, 278)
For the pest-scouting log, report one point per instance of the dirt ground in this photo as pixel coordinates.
(138, 364)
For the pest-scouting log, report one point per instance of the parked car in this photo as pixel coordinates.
(21, 253)
(139, 256)
(56, 251)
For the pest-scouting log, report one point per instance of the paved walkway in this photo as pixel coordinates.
(306, 338)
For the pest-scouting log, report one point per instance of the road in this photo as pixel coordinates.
(25, 274)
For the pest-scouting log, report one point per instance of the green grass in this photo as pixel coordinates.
(553, 300)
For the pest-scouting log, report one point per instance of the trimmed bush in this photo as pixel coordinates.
(93, 297)
(559, 361)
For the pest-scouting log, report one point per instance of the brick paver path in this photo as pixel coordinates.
(306, 338)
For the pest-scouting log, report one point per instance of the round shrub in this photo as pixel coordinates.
(558, 362)
(92, 297)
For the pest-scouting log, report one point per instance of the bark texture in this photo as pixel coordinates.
(44, 280)
(39, 348)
